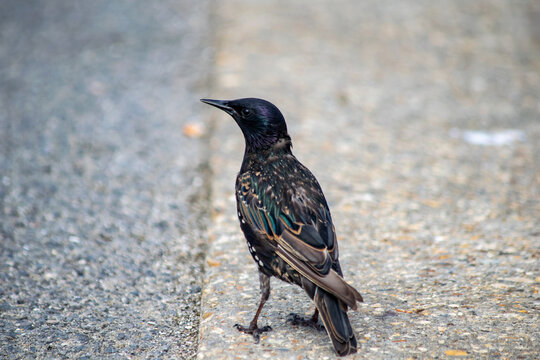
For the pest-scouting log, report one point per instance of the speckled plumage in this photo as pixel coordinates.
(286, 221)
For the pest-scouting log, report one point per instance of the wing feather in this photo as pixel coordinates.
(301, 229)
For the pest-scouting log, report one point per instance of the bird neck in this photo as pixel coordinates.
(271, 145)
(283, 146)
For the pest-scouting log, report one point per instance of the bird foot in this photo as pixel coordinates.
(295, 319)
(253, 330)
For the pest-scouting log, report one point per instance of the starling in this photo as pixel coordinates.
(287, 224)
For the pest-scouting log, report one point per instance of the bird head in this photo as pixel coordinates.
(261, 122)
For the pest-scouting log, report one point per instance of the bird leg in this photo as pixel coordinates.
(253, 329)
(313, 321)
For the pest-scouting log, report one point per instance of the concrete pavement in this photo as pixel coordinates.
(421, 121)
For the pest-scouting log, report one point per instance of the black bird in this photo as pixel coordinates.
(287, 223)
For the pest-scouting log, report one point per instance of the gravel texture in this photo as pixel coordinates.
(102, 198)
(422, 122)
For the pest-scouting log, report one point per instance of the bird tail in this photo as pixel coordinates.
(334, 316)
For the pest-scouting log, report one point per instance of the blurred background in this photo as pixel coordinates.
(420, 119)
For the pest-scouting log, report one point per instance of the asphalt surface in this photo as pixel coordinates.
(102, 196)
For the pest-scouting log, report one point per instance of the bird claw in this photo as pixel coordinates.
(255, 331)
(295, 319)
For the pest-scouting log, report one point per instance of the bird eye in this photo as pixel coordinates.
(246, 112)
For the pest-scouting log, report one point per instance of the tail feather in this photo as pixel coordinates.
(334, 316)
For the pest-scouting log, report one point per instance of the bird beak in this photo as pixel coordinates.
(220, 104)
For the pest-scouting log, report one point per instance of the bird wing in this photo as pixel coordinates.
(297, 220)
